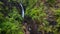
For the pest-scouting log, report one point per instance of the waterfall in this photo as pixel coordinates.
(22, 10)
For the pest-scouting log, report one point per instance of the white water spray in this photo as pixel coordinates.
(22, 10)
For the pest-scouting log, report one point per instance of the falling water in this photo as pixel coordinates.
(22, 10)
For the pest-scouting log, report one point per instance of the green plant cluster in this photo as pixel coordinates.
(11, 20)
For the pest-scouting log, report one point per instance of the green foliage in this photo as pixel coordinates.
(11, 24)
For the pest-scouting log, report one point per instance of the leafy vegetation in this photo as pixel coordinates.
(43, 13)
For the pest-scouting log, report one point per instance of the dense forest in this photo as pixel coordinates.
(29, 16)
